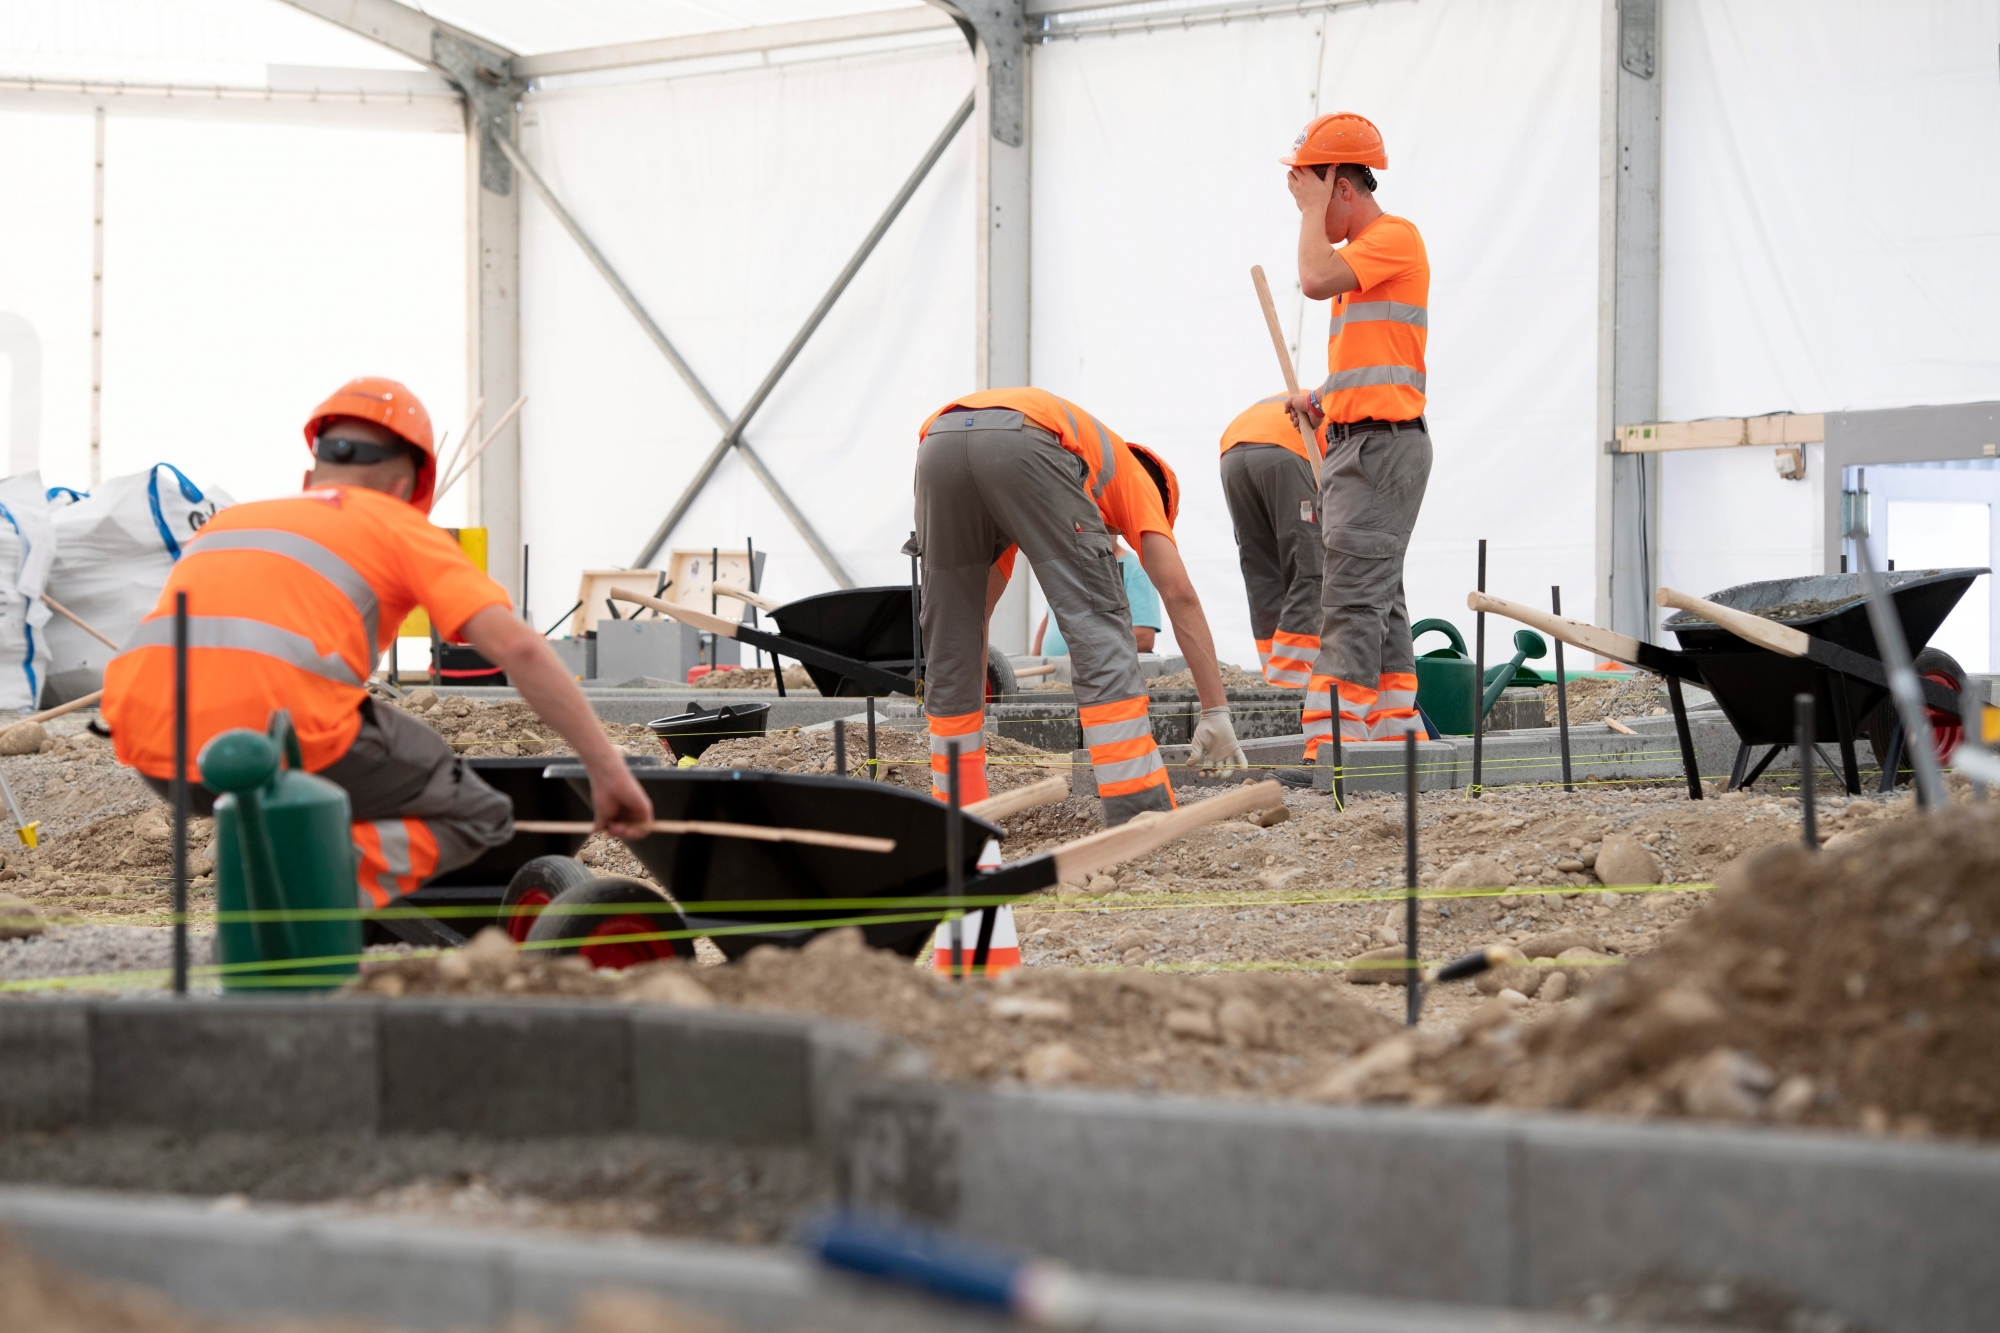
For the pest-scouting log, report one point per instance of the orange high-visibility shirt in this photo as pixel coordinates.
(290, 604)
(1268, 421)
(1375, 347)
(1121, 488)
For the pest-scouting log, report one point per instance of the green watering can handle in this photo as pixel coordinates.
(1444, 627)
(286, 737)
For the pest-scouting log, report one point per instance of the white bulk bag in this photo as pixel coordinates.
(26, 547)
(114, 549)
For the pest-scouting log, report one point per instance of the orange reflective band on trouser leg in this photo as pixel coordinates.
(1290, 664)
(1316, 720)
(396, 857)
(1395, 708)
(1356, 703)
(1123, 756)
(967, 730)
(1264, 657)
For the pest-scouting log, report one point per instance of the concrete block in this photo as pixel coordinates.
(44, 1065)
(664, 649)
(1275, 1196)
(521, 1068)
(731, 1077)
(234, 1064)
(1897, 1236)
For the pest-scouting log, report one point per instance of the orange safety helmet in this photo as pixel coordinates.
(392, 406)
(1339, 137)
(1163, 477)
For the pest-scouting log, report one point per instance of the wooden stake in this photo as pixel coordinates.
(472, 456)
(1142, 834)
(1046, 792)
(1304, 428)
(80, 623)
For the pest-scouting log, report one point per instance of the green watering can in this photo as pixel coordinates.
(1447, 680)
(1527, 644)
(283, 844)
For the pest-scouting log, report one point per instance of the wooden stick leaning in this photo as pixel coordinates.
(472, 456)
(1303, 427)
(1046, 792)
(80, 623)
(687, 615)
(851, 842)
(743, 594)
(1781, 639)
(1591, 638)
(1088, 855)
(445, 466)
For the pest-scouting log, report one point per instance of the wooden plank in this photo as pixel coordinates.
(1781, 428)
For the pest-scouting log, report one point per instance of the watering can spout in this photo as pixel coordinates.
(1527, 644)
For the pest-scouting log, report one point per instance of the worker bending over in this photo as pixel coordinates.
(1267, 479)
(1371, 415)
(290, 604)
(1022, 469)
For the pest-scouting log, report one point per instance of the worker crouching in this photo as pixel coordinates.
(1021, 469)
(290, 604)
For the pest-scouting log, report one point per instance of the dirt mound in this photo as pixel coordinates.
(905, 756)
(755, 678)
(1233, 678)
(1595, 698)
(507, 726)
(1856, 987)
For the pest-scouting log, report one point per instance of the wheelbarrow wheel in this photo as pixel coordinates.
(612, 922)
(1940, 668)
(534, 886)
(1000, 680)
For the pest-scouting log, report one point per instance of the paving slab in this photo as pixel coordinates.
(520, 1067)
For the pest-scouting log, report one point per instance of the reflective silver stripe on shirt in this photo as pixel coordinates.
(1362, 377)
(1108, 465)
(250, 636)
(1104, 733)
(317, 558)
(1125, 770)
(1367, 312)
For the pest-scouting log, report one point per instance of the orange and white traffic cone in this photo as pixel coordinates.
(1005, 952)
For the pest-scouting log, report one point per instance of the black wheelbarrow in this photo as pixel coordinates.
(750, 871)
(1758, 645)
(853, 642)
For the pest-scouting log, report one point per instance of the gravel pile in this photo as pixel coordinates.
(85, 951)
(506, 726)
(905, 756)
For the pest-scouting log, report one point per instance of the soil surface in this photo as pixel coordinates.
(1596, 698)
(507, 726)
(1233, 678)
(755, 678)
(902, 757)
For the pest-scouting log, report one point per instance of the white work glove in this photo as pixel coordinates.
(1215, 744)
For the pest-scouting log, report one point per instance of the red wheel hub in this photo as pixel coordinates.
(521, 916)
(1948, 728)
(620, 952)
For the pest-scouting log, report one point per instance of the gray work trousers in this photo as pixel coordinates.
(1370, 492)
(987, 480)
(1271, 498)
(398, 768)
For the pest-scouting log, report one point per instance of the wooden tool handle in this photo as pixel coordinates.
(464, 465)
(1591, 638)
(687, 615)
(1046, 792)
(1780, 639)
(60, 709)
(1303, 427)
(1142, 835)
(744, 595)
(1029, 673)
(80, 622)
(852, 842)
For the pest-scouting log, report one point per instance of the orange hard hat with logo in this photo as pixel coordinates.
(1336, 138)
(1163, 477)
(393, 407)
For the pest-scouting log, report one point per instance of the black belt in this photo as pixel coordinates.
(1341, 430)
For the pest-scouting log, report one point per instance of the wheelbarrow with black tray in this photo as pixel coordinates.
(1756, 646)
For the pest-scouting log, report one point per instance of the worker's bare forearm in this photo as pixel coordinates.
(1323, 274)
(544, 683)
(1162, 562)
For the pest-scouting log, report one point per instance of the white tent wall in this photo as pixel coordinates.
(45, 269)
(1157, 186)
(1831, 240)
(729, 203)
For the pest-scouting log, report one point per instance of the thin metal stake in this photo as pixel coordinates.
(1479, 680)
(180, 793)
(715, 640)
(524, 585)
(874, 768)
(916, 616)
(1562, 692)
(757, 654)
(1808, 825)
(840, 746)
(954, 852)
(1414, 1000)
(1894, 651)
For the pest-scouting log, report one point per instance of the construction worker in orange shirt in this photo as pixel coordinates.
(1021, 469)
(1267, 480)
(292, 602)
(1370, 415)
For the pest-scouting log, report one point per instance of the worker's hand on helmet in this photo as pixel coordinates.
(618, 801)
(1215, 744)
(1310, 190)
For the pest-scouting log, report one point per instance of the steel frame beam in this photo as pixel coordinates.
(737, 41)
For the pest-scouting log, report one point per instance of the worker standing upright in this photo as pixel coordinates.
(1370, 414)
(1267, 480)
(290, 604)
(1021, 469)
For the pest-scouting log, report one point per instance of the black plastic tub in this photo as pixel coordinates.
(707, 875)
(871, 625)
(689, 733)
